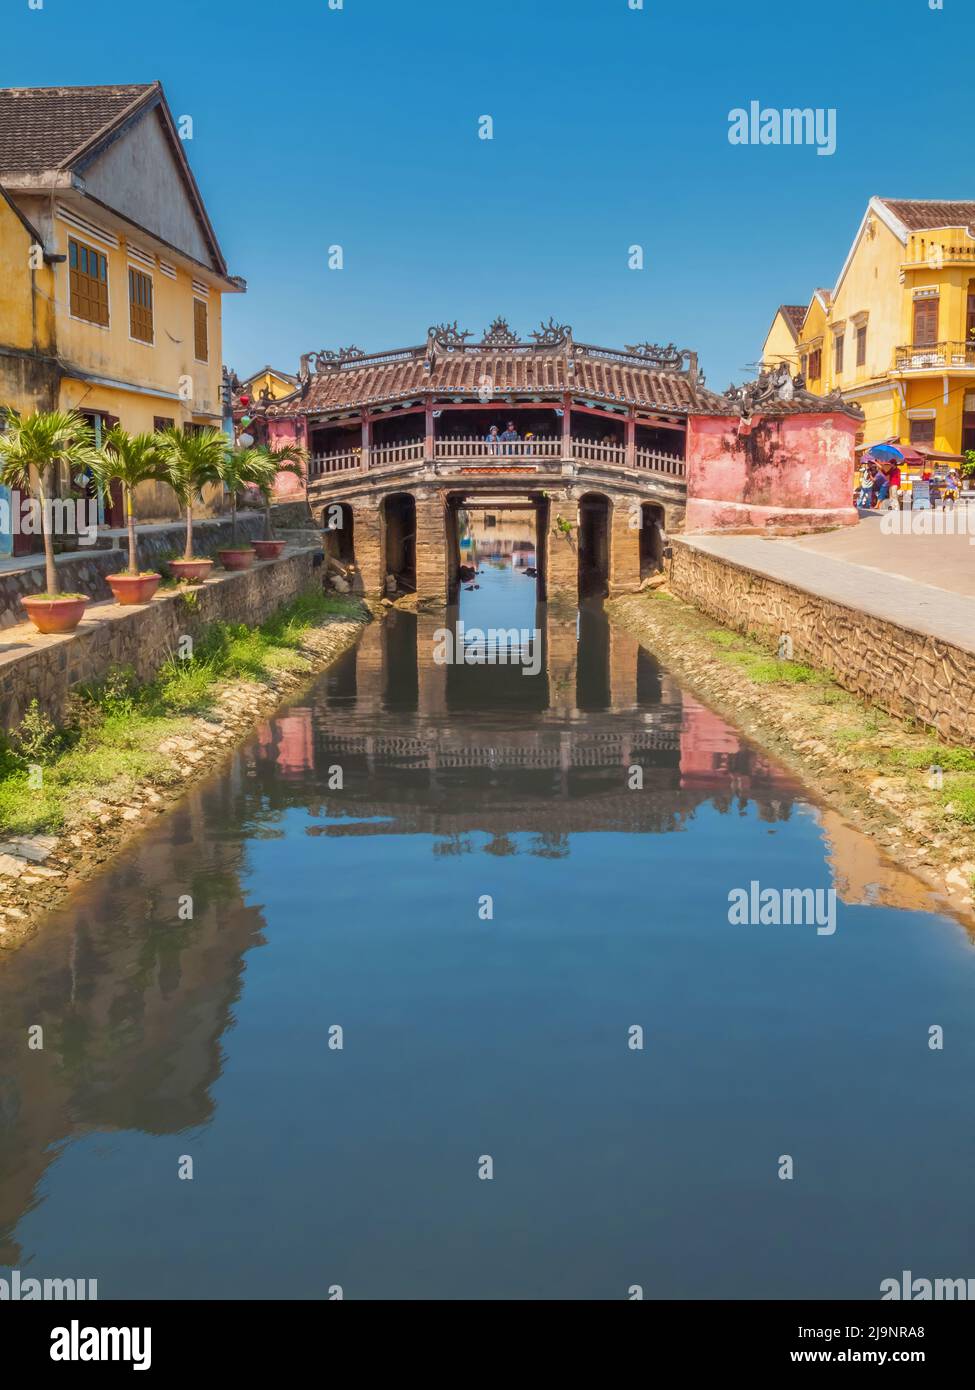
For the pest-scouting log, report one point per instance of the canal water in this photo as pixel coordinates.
(497, 886)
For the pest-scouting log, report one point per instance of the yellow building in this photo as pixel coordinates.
(896, 333)
(269, 380)
(780, 344)
(111, 276)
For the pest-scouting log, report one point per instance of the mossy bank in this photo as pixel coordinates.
(914, 795)
(72, 795)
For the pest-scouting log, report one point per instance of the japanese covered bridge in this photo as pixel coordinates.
(599, 445)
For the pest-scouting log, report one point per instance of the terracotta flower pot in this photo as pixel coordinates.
(237, 559)
(62, 613)
(134, 588)
(191, 569)
(268, 550)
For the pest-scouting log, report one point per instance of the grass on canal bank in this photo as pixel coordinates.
(913, 793)
(110, 742)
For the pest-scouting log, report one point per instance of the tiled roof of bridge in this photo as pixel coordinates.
(521, 372)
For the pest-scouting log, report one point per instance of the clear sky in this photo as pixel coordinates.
(359, 127)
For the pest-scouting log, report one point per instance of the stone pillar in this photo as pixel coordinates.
(368, 540)
(624, 546)
(561, 551)
(566, 428)
(631, 441)
(366, 439)
(431, 548)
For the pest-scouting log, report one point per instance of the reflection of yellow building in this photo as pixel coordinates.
(111, 276)
(897, 332)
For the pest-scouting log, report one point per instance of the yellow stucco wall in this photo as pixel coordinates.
(277, 385)
(26, 317)
(780, 345)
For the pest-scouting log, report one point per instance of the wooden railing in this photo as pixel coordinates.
(382, 454)
(654, 462)
(340, 461)
(543, 451)
(490, 450)
(914, 357)
(593, 451)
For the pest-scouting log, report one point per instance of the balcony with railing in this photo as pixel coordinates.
(540, 454)
(946, 356)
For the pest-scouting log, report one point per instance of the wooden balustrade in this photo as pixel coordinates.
(380, 455)
(655, 462)
(470, 448)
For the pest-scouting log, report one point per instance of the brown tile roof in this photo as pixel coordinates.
(525, 373)
(917, 214)
(794, 315)
(43, 128)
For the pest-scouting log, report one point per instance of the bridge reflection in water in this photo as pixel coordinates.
(317, 904)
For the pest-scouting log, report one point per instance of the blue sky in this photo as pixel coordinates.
(358, 127)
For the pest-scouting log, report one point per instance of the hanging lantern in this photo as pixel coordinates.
(245, 400)
(246, 440)
(245, 420)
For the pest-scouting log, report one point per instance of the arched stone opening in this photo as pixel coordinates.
(595, 516)
(338, 527)
(651, 539)
(399, 542)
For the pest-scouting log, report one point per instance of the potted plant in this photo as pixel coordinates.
(35, 446)
(131, 459)
(236, 469)
(191, 461)
(289, 459)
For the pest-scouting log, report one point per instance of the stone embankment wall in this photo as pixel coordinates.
(86, 571)
(140, 637)
(895, 668)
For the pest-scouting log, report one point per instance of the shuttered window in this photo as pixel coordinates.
(815, 364)
(140, 305)
(925, 321)
(201, 347)
(922, 432)
(88, 282)
(862, 346)
(838, 354)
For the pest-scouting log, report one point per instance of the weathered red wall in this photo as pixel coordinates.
(792, 473)
(280, 433)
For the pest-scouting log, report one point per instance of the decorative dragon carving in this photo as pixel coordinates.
(669, 358)
(326, 357)
(448, 334)
(551, 334)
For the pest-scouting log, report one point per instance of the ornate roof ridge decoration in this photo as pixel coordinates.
(552, 334)
(775, 387)
(448, 335)
(667, 359)
(327, 358)
(499, 335)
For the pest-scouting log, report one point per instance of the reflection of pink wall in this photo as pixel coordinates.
(280, 433)
(295, 749)
(792, 473)
(708, 746)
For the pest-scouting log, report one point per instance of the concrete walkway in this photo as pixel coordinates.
(823, 566)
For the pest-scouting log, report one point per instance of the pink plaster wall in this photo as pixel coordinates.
(280, 433)
(792, 473)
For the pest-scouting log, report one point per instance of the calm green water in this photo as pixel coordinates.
(361, 906)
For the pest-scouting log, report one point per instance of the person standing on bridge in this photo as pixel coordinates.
(509, 437)
(491, 439)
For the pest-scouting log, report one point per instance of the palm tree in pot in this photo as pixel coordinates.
(236, 470)
(32, 449)
(290, 458)
(131, 459)
(191, 461)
